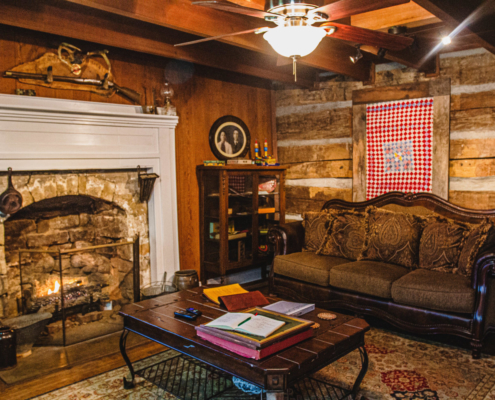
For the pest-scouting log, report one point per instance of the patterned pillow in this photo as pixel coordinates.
(345, 237)
(441, 244)
(392, 237)
(475, 239)
(315, 227)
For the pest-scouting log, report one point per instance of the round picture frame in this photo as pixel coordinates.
(225, 143)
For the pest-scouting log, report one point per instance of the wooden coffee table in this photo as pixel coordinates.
(276, 374)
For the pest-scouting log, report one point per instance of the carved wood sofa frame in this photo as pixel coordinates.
(289, 238)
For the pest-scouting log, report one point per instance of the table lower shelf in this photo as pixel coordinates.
(190, 379)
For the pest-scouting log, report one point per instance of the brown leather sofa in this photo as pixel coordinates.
(416, 300)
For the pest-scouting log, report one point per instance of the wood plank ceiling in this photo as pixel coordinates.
(154, 26)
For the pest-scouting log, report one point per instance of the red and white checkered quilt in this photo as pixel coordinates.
(399, 147)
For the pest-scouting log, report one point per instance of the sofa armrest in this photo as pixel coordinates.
(287, 238)
(483, 271)
(483, 268)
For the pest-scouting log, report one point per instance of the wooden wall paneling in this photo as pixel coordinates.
(472, 168)
(466, 101)
(333, 123)
(472, 148)
(441, 142)
(476, 200)
(315, 152)
(320, 169)
(359, 153)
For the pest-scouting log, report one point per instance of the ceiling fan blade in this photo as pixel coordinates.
(281, 61)
(255, 30)
(369, 37)
(225, 5)
(345, 8)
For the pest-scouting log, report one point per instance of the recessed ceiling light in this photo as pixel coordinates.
(446, 40)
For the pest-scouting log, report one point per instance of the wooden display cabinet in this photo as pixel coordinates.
(237, 206)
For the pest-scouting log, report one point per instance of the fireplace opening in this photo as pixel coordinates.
(95, 282)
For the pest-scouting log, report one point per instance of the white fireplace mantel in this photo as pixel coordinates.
(43, 134)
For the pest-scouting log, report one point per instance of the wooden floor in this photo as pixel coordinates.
(61, 378)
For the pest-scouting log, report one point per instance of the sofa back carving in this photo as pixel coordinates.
(419, 203)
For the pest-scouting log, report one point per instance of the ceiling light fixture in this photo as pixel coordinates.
(358, 55)
(294, 41)
(446, 40)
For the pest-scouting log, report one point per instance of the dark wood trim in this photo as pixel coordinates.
(434, 87)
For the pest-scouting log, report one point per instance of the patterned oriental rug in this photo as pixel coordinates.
(401, 367)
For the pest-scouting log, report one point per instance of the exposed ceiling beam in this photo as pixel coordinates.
(140, 37)
(182, 16)
(409, 14)
(476, 16)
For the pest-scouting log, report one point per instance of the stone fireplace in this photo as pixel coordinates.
(73, 211)
(75, 164)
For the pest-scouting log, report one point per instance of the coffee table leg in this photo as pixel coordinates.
(364, 369)
(123, 339)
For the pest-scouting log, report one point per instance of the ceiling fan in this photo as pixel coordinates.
(296, 34)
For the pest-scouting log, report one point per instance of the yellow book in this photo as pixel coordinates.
(214, 293)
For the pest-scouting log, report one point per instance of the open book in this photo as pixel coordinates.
(257, 325)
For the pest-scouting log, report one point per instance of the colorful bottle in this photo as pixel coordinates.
(256, 150)
(265, 149)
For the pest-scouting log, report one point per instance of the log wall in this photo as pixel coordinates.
(314, 132)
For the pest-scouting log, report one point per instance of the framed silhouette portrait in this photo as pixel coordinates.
(229, 138)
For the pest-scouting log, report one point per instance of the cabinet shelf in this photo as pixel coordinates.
(237, 189)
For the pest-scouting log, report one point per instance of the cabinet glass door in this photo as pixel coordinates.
(240, 219)
(268, 210)
(211, 215)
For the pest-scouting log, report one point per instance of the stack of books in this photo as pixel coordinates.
(255, 333)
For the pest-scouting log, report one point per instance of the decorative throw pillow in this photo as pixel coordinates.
(315, 227)
(475, 239)
(441, 244)
(392, 237)
(345, 236)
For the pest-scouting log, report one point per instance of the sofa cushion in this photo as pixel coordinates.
(392, 237)
(307, 266)
(441, 244)
(475, 239)
(315, 228)
(435, 290)
(345, 236)
(368, 277)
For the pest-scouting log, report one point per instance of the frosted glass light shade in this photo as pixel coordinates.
(291, 41)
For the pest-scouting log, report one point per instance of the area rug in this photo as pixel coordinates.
(401, 367)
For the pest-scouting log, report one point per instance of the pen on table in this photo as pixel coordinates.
(243, 322)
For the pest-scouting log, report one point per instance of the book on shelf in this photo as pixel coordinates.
(237, 235)
(213, 163)
(242, 301)
(257, 325)
(256, 353)
(239, 161)
(213, 294)
(290, 308)
(291, 327)
(266, 210)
